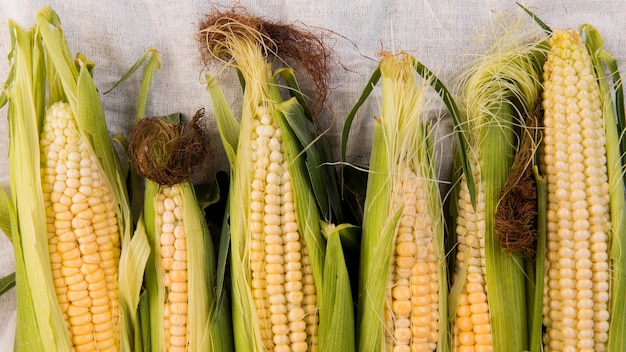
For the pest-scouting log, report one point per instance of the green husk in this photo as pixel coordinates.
(7, 283)
(337, 323)
(536, 306)
(5, 211)
(25, 113)
(324, 178)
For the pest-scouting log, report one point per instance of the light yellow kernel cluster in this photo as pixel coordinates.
(83, 235)
(412, 302)
(576, 288)
(281, 274)
(472, 324)
(173, 252)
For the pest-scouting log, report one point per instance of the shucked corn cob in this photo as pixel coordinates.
(577, 283)
(404, 289)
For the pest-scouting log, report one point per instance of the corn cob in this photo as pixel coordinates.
(577, 282)
(407, 312)
(276, 244)
(487, 297)
(173, 252)
(180, 278)
(281, 275)
(70, 214)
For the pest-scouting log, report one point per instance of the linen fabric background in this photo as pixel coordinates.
(443, 34)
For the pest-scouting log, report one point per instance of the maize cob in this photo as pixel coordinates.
(577, 281)
(70, 214)
(487, 297)
(278, 251)
(403, 197)
(180, 277)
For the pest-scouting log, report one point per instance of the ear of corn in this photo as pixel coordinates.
(277, 249)
(488, 295)
(585, 197)
(403, 286)
(71, 214)
(180, 310)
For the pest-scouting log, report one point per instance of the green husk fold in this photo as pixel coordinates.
(5, 211)
(324, 178)
(337, 326)
(7, 283)
(611, 97)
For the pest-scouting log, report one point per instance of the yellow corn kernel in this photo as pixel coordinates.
(472, 323)
(279, 259)
(413, 301)
(72, 213)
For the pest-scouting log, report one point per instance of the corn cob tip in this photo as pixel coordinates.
(218, 30)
